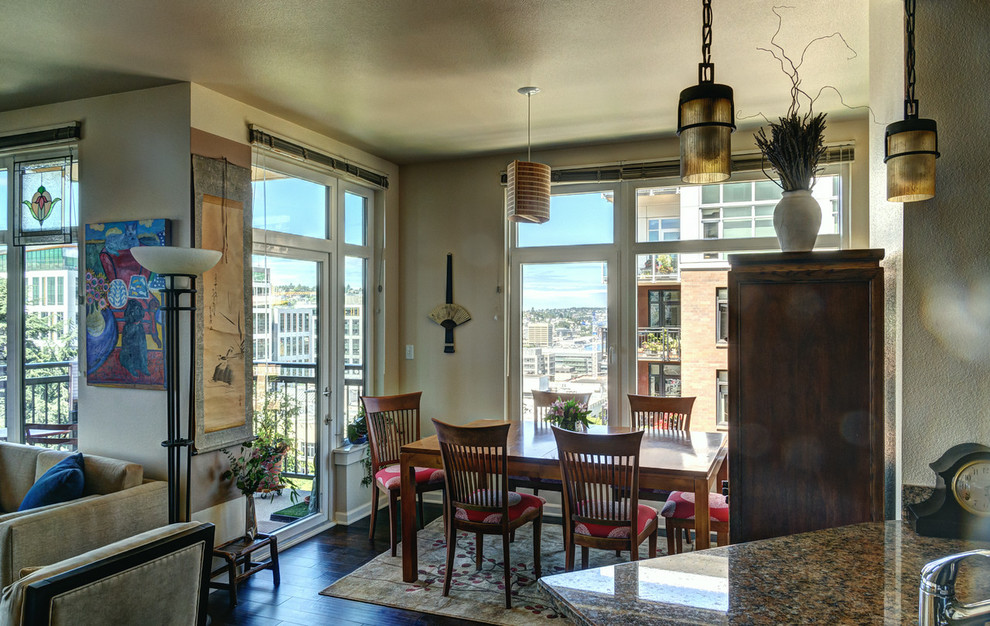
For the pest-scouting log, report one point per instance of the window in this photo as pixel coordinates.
(39, 274)
(722, 315)
(665, 380)
(721, 397)
(665, 307)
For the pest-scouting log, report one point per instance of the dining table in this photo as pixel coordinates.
(692, 461)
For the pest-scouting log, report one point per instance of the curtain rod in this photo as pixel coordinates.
(42, 137)
(667, 168)
(283, 146)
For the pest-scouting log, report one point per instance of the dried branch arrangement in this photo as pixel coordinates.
(796, 142)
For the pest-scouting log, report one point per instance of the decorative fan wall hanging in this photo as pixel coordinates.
(449, 315)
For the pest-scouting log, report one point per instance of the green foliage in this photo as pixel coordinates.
(259, 465)
(568, 414)
(359, 427)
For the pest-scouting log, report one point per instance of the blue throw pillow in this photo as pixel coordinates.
(61, 483)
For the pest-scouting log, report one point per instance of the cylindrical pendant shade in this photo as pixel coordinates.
(528, 192)
(911, 149)
(705, 123)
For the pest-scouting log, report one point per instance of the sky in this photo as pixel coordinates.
(574, 219)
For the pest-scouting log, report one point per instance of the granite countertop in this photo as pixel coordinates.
(863, 574)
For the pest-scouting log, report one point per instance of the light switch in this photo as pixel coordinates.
(409, 352)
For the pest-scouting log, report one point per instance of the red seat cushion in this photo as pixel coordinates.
(389, 477)
(517, 508)
(645, 516)
(680, 505)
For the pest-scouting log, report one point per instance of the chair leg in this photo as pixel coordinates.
(393, 518)
(512, 536)
(618, 553)
(451, 548)
(568, 548)
(419, 498)
(677, 540)
(669, 531)
(633, 547)
(584, 557)
(479, 545)
(653, 542)
(687, 536)
(507, 566)
(722, 538)
(537, 531)
(374, 509)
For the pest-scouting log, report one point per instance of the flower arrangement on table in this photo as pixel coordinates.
(569, 415)
(259, 465)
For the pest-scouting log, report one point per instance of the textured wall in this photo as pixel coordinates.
(946, 367)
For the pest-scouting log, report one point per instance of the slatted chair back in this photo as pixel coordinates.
(393, 421)
(543, 399)
(475, 464)
(653, 413)
(601, 477)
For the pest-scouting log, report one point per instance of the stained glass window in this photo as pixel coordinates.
(45, 210)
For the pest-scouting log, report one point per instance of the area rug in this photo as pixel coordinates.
(475, 595)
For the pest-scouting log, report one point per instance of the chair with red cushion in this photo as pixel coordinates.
(393, 421)
(475, 460)
(541, 402)
(678, 513)
(601, 494)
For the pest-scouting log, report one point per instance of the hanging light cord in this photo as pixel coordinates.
(706, 70)
(910, 103)
(529, 126)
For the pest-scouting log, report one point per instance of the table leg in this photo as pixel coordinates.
(232, 573)
(273, 547)
(410, 564)
(702, 522)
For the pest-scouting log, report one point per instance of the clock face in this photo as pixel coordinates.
(971, 487)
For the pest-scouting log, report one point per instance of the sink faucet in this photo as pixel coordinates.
(937, 604)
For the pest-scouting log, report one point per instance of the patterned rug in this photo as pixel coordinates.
(476, 595)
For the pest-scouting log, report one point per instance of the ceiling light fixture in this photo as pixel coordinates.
(705, 118)
(528, 182)
(911, 145)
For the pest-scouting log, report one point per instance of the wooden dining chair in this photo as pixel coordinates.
(653, 413)
(601, 494)
(541, 402)
(678, 514)
(478, 499)
(393, 421)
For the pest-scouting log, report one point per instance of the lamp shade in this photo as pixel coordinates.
(175, 259)
(705, 114)
(911, 147)
(528, 192)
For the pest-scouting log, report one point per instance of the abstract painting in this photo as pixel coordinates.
(224, 382)
(123, 324)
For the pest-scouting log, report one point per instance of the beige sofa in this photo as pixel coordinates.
(117, 503)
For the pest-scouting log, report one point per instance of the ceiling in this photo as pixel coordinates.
(415, 80)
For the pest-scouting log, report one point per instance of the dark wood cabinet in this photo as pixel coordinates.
(805, 392)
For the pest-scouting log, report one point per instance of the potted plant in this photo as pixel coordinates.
(793, 148)
(569, 415)
(357, 431)
(259, 466)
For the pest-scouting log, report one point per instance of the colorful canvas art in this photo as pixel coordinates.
(124, 334)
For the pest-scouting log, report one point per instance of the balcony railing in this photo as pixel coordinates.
(50, 407)
(298, 382)
(659, 268)
(659, 344)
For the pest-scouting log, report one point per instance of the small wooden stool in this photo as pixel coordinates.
(237, 554)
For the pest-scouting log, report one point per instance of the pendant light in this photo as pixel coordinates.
(705, 118)
(911, 145)
(528, 182)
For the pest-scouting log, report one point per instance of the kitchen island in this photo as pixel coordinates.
(862, 574)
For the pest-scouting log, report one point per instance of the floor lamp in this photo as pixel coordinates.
(171, 263)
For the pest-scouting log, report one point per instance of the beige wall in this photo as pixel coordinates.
(946, 369)
(458, 207)
(133, 163)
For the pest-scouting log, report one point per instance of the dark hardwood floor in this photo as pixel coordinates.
(308, 568)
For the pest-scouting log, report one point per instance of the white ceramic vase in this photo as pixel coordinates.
(796, 220)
